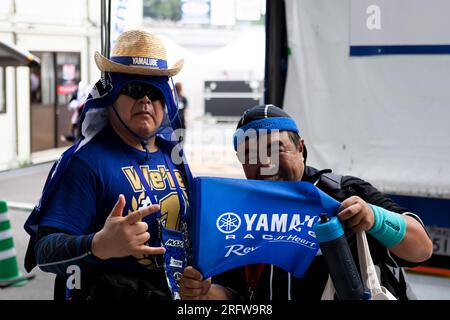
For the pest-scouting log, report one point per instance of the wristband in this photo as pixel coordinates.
(389, 227)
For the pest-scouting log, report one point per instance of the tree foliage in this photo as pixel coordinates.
(163, 9)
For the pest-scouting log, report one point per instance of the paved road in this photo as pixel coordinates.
(24, 185)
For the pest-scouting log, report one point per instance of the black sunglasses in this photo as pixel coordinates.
(138, 90)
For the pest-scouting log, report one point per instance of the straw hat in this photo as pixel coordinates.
(138, 52)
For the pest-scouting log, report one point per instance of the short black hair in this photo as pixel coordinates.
(296, 140)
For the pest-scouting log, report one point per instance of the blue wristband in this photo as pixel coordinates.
(389, 227)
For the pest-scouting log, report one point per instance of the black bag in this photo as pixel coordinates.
(115, 286)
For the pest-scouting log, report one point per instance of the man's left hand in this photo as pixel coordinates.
(356, 214)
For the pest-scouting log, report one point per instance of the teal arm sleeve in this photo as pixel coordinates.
(389, 227)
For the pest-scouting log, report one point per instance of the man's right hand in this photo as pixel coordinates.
(124, 236)
(194, 287)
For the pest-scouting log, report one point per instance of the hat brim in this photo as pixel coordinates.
(107, 65)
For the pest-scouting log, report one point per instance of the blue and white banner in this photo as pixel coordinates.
(238, 222)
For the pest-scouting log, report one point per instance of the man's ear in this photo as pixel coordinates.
(303, 151)
(301, 145)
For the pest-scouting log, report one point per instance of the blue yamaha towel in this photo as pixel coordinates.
(238, 222)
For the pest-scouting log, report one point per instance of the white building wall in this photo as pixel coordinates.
(45, 25)
(7, 123)
(8, 119)
(51, 12)
(6, 8)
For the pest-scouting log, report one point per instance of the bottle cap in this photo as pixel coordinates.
(328, 230)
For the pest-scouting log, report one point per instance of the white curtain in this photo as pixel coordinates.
(382, 118)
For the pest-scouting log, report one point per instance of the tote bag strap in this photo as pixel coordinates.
(329, 291)
(368, 271)
(366, 266)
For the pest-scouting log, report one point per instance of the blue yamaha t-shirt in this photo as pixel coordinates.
(98, 173)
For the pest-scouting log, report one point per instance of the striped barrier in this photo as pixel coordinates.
(430, 271)
(9, 270)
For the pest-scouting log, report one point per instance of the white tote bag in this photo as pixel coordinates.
(368, 274)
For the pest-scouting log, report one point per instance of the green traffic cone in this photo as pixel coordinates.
(9, 270)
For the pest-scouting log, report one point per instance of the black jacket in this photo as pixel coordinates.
(277, 284)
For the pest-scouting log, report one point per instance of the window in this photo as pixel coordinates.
(47, 78)
(52, 85)
(67, 76)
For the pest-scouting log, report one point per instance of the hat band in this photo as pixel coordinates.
(141, 61)
(268, 124)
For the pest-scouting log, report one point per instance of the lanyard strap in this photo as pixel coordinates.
(142, 178)
(183, 207)
(253, 273)
(184, 211)
(154, 218)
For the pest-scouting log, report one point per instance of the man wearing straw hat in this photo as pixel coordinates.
(116, 198)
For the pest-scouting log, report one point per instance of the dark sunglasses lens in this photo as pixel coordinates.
(137, 91)
(154, 95)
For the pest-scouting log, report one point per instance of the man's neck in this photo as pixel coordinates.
(132, 141)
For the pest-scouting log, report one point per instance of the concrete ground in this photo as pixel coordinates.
(209, 153)
(25, 185)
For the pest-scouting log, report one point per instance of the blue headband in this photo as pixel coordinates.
(269, 124)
